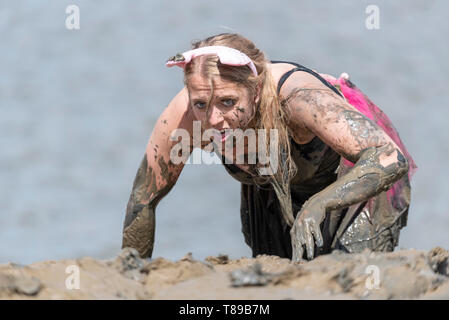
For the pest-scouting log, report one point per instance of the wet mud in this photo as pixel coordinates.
(404, 274)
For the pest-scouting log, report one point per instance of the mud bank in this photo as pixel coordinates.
(406, 274)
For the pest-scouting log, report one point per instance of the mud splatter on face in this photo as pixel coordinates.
(220, 97)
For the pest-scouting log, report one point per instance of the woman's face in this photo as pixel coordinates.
(231, 107)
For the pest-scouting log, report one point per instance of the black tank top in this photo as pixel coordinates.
(316, 161)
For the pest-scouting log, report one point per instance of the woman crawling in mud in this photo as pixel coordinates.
(342, 176)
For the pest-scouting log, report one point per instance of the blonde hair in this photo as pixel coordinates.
(269, 112)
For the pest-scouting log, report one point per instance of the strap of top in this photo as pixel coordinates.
(302, 68)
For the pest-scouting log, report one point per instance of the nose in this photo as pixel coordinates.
(215, 116)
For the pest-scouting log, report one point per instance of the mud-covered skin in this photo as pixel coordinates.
(139, 225)
(155, 177)
(157, 174)
(378, 160)
(366, 179)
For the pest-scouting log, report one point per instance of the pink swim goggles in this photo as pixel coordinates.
(227, 55)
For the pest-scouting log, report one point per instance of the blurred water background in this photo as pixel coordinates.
(78, 106)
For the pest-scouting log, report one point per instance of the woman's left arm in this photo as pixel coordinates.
(378, 160)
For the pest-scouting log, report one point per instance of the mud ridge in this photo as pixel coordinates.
(404, 274)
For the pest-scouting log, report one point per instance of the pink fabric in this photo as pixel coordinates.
(227, 55)
(363, 104)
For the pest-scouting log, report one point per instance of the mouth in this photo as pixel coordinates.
(223, 135)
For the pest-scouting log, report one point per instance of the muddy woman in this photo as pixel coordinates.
(343, 176)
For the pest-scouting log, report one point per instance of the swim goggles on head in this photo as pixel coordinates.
(227, 55)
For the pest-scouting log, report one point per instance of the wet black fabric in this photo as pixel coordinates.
(263, 226)
(304, 69)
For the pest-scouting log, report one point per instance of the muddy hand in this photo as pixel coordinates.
(306, 230)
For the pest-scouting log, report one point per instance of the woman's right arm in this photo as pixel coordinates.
(156, 176)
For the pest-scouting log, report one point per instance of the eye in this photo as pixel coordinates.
(228, 102)
(199, 104)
